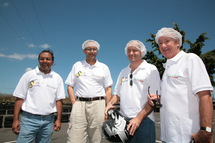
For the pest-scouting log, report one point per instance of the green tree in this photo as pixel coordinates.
(196, 47)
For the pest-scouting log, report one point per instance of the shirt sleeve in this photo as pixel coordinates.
(198, 75)
(154, 81)
(117, 86)
(60, 90)
(21, 89)
(108, 79)
(71, 79)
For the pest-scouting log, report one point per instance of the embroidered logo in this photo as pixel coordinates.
(31, 84)
(51, 87)
(174, 76)
(123, 80)
(140, 80)
(96, 76)
(78, 73)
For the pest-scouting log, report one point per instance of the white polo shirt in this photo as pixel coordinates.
(40, 91)
(185, 75)
(90, 81)
(133, 98)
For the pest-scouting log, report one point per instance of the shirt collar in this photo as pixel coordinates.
(86, 64)
(174, 59)
(142, 65)
(41, 73)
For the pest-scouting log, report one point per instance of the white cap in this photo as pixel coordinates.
(89, 43)
(141, 47)
(169, 32)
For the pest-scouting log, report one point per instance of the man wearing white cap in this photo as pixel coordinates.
(93, 86)
(187, 111)
(132, 90)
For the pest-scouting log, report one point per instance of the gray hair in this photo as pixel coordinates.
(95, 43)
(169, 32)
(141, 47)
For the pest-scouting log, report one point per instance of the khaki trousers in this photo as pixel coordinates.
(85, 122)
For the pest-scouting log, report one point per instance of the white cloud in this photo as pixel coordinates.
(2, 55)
(45, 46)
(31, 45)
(28, 69)
(19, 56)
(6, 4)
(2, 49)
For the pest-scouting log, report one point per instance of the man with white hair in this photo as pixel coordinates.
(93, 86)
(132, 90)
(187, 111)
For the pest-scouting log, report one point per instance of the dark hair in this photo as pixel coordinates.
(49, 51)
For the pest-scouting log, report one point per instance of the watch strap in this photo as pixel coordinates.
(207, 129)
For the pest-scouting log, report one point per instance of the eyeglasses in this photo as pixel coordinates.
(91, 49)
(131, 81)
(156, 103)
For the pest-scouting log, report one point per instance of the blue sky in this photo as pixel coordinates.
(29, 26)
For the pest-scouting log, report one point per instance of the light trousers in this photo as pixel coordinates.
(85, 122)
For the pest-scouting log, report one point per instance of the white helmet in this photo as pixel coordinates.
(115, 128)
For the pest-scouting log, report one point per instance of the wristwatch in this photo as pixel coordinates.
(207, 129)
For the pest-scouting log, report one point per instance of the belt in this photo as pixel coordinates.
(90, 98)
(38, 114)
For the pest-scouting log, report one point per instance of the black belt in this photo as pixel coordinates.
(90, 98)
(38, 114)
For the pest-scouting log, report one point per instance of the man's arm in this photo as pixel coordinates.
(206, 117)
(17, 108)
(57, 124)
(108, 93)
(135, 122)
(110, 104)
(71, 93)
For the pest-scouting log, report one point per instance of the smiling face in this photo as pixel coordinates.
(133, 53)
(45, 61)
(168, 47)
(91, 52)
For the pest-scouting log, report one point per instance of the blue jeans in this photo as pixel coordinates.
(35, 127)
(145, 133)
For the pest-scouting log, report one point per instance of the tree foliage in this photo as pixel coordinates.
(196, 47)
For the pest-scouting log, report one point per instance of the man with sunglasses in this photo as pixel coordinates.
(132, 90)
(93, 86)
(187, 111)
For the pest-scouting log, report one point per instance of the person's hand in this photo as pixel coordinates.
(108, 107)
(152, 97)
(57, 125)
(73, 102)
(106, 118)
(16, 127)
(202, 137)
(133, 125)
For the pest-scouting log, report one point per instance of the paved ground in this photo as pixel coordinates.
(7, 136)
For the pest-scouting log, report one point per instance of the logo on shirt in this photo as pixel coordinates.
(96, 76)
(31, 84)
(140, 80)
(78, 73)
(51, 87)
(124, 79)
(174, 76)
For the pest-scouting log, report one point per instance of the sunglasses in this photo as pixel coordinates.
(131, 81)
(156, 103)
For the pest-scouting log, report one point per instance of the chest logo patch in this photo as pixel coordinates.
(31, 84)
(78, 73)
(174, 76)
